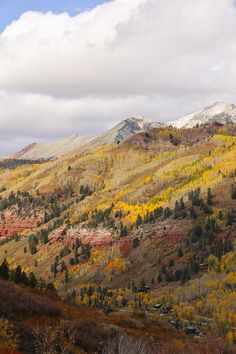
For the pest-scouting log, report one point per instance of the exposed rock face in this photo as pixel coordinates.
(98, 238)
(131, 126)
(14, 225)
(25, 151)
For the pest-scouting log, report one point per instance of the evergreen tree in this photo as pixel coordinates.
(230, 218)
(211, 229)
(197, 233)
(32, 280)
(72, 261)
(123, 230)
(54, 269)
(24, 279)
(185, 275)
(50, 289)
(228, 247)
(179, 253)
(17, 275)
(139, 221)
(136, 242)
(181, 204)
(209, 197)
(63, 266)
(194, 197)
(233, 191)
(76, 247)
(66, 276)
(219, 249)
(194, 267)
(193, 213)
(220, 215)
(4, 270)
(166, 213)
(87, 251)
(33, 241)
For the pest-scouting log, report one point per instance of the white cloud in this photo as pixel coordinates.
(61, 75)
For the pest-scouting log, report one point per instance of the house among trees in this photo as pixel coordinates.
(157, 306)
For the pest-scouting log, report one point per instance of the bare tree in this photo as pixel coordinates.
(52, 342)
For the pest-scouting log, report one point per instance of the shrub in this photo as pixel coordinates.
(123, 344)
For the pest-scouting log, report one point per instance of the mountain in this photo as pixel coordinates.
(121, 132)
(52, 150)
(147, 224)
(220, 112)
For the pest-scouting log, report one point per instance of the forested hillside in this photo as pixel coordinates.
(142, 226)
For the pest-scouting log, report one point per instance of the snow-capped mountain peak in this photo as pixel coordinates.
(124, 130)
(136, 124)
(219, 112)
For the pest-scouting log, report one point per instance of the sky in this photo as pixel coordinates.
(10, 10)
(78, 67)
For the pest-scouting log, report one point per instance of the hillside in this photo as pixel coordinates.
(39, 322)
(126, 226)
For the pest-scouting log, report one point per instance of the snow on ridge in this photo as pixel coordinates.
(219, 112)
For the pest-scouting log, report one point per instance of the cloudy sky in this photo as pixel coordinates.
(70, 66)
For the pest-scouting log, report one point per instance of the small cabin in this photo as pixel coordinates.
(192, 330)
(143, 289)
(202, 267)
(157, 306)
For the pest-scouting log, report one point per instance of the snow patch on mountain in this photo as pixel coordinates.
(219, 112)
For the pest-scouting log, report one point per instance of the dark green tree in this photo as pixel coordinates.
(32, 280)
(209, 197)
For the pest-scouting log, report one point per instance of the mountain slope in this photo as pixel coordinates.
(121, 132)
(50, 151)
(219, 112)
(36, 322)
(154, 210)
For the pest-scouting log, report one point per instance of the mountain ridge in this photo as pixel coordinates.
(219, 112)
(120, 132)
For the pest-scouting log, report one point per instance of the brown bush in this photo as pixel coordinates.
(124, 344)
(91, 336)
